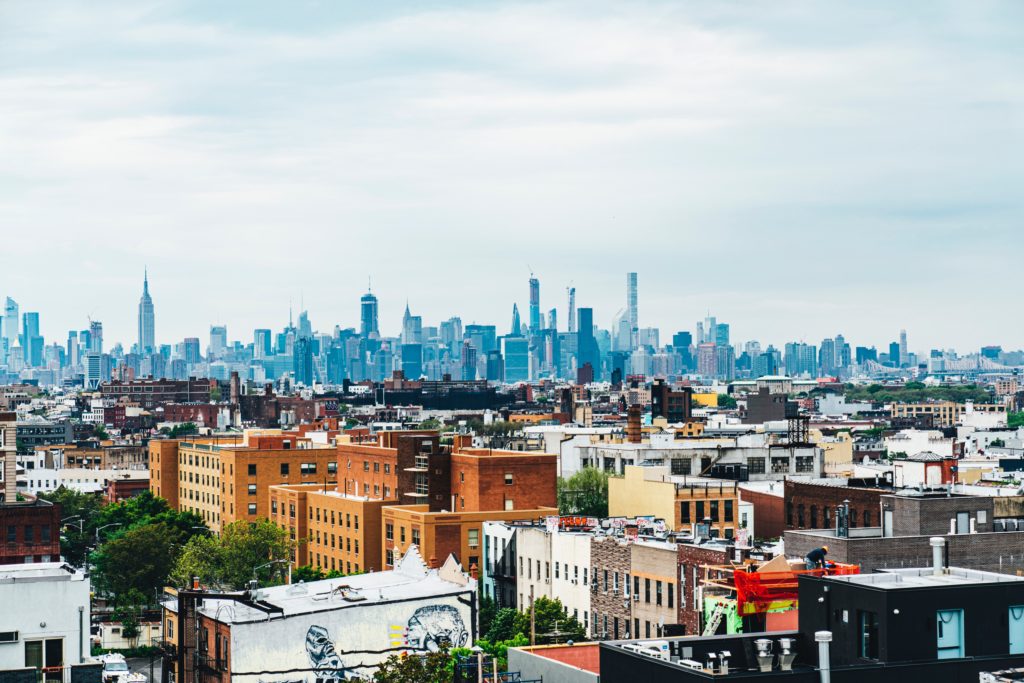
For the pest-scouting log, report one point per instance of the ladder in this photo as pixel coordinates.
(714, 621)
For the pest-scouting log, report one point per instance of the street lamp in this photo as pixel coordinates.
(288, 562)
(80, 523)
(99, 529)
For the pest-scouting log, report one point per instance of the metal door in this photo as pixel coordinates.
(949, 625)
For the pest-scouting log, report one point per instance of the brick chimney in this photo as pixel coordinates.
(634, 432)
(8, 449)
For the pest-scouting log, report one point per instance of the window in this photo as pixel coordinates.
(700, 510)
(401, 534)
(307, 468)
(867, 518)
(657, 592)
(684, 512)
(12, 533)
(473, 538)
(252, 508)
(376, 467)
(714, 511)
(556, 569)
(755, 465)
(728, 510)
(284, 469)
(508, 479)
(805, 463)
(387, 468)
(29, 534)
(415, 536)
(389, 531)
(868, 622)
(332, 468)
(800, 518)
(366, 466)
(671, 591)
(681, 466)
(252, 469)
(252, 489)
(647, 590)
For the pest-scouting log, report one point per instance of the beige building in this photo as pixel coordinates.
(944, 413)
(838, 452)
(682, 501)
(653, 568)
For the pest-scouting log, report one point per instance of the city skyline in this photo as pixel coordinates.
(367, 318)
(732, 155)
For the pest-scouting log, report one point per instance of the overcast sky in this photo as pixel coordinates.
(798, 169)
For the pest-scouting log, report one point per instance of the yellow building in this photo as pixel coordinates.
(838, 452)
(944, 413)
(707, 400)
(682, 501)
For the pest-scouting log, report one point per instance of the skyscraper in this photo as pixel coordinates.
(631, 308)
(96, 336)
(368, 315)
(904, 357)
(517, 325)
(11, 319)
(534, 304)
(146, 319)
(218, 341)
(587, 344)
(31, 340)
(572, 309)
(261, 343)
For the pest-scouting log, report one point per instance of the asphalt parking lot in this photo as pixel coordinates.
(141, 665)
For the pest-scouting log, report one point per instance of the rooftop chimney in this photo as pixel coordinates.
(634, 432)
(938, 544)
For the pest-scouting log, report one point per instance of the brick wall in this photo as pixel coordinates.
(997, 552)
(613, 556)
(769, 512)
(691, 558)
(812, 506)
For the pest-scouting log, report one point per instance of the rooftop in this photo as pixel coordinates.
(410, 579)
(925, 577)
(38, 571)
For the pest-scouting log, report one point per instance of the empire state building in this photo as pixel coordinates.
(146, 345)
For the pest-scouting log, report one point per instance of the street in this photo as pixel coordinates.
(141, 665)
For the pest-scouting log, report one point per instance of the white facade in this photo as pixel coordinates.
(556, 565)
(44, 616)
(45, 480)
(914, 441)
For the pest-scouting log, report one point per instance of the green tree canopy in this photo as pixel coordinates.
(726, 401)
(584, 493)
(229, 560)
(552, 624)
(139, 560)
(433, 667)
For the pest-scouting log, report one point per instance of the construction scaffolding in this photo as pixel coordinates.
(732, 592)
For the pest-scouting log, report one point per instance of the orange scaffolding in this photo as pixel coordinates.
(759, 592)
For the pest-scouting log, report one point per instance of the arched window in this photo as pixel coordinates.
(867, 518)
(800, 520)
(853, 518)
(814, 516)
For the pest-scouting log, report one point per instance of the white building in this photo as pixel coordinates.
(44, 616)
(338, 629)
(914, 441)
(555, 564)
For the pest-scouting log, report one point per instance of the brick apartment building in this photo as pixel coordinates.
(30, 527)
(909, 519)
(150, 393)
(410, 489)
(812, 505)
(224, 480)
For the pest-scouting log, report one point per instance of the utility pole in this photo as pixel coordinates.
(533, 620)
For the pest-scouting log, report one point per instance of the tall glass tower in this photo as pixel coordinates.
(146, 319)
(368, 315)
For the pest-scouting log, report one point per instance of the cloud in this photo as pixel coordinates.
(733, 154)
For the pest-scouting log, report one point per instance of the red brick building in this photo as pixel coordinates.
(812, 505)
(31, 532)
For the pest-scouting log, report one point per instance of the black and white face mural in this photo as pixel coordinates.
(431, 626)
(323, 657)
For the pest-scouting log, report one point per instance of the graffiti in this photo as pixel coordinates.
(430, 627)
(322, 656)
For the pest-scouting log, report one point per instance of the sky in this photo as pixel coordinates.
(798, 169)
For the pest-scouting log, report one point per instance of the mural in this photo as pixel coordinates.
(336, 645)
(433, 625)
(322, 656)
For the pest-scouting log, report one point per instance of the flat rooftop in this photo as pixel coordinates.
(38, 571)
(410, 580)
(925, 577)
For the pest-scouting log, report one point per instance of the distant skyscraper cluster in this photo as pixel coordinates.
(532, 350)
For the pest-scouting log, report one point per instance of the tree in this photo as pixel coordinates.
(726, 401)
(139, 560)
(182, 429)
(551, 623)
(231, 560)
(503, 625)
(79, 509)
(310, 573)
(100, 432)
(128, 611)
(432, 667)
(584, 493)
(431, 423)
(488, 609)
(1015, 420)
